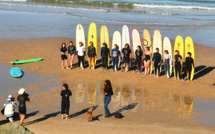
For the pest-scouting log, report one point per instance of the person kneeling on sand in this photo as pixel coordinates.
(9, 110)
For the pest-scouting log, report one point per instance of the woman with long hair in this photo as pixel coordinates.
(91, 55)
(71, 53)
(147, 60)
(126, 53)
(63, 51)
(108, 92)
(138, 59)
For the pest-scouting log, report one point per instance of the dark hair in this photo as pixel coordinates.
(105, 44)
(139, 47)
(166, 51)
(107, 85)
(128, 46)
(71, 42)
(81, 43)
(157, 49)
(66, 86)
(91, 42)
(176, 51)
(63, 44)
(148, 48)
(189, 53)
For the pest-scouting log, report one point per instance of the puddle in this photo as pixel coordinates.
(126, 98)
(10, 85)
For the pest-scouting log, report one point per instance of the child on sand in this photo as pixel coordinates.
(66, 94)
(188, 66)
(71, 52)
(108, 92)
(167, 58)
(177, 64)
(115, 57)
(157, 62)
(138, 61)
(63, 51)
(91, 55)
(105, 52)
(81, 54)
(126, 53)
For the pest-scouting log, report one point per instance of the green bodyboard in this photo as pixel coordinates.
(26, 61)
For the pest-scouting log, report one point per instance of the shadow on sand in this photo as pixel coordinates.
(125, 108)
(81, 112)
(203, 71)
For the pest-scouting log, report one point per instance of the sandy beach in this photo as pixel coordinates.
(149, 104)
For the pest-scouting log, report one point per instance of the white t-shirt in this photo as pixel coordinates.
(81, 51)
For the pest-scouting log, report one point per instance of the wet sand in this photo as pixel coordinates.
(150, 105)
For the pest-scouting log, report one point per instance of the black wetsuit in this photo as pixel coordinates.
(63, 50)
(188, 66)
(178, 59)
(22, 103)
(126, 55)
(138, 60)
(157, 59)
(65, 103)
(72, 50)
(105, 52)
(91, 51)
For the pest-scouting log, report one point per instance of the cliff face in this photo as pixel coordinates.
(14, 128)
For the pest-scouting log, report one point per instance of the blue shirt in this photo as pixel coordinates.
(115, 52)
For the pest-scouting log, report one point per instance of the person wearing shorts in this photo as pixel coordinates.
(63, 51)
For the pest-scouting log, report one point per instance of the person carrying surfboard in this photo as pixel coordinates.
(91, 55)
(126, 53)
(157, 62)
(115, 57)
(178, 64)
(167, 58)
(188, 66)
(71, 52)
(81, 54)
(63, 51)
(138, 59)
(147, 60)
(105, 52)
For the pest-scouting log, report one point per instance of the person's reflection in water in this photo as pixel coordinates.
(80, 93)
(188, 106)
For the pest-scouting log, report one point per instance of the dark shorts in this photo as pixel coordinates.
(125, 60)
(91, 56)
(63, 57)
(71, 54)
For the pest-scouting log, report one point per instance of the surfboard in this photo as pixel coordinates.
(126, 39)
(80, 37)
(136, 40)
(16, 72)
(157, 43)
(104, 38)
(92, 36)
(189, 47)
(167, 46)
(26, 61)
(179, 45)
(117, 40)
(147, 43)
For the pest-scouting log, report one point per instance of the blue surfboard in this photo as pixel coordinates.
(16, 72)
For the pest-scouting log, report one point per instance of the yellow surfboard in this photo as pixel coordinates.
(104, 38)
(92, 36)
(189, 47)
(179, 45)
(147, 43)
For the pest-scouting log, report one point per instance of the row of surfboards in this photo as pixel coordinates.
(124, 38)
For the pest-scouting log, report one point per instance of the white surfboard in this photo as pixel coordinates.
(126, 39)
(80, 37)
(117, 40)
(167, 46)
(157, 43)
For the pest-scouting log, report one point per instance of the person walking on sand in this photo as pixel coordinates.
(147, 60)
(188, 66)
(66, 94)
(105, 53)
(167, 58)
(71, 52)
(138, 59)
(126, 53)
(115, 57)
(81, 54)
(108, 92)
(157, 62)
(9, 109)
(63, 51)
(91, 55)
(22, 98)
(177, 63)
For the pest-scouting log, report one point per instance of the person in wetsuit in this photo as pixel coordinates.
(157, 61)
(66, 94)
(115, 57)
(147, 60)
(167, 58)
(138, 59)
(71, 52)
(81, 54)
(126, 53)
(177, 64)
(108, 92)
(63, 51)
(22, 98)
(105, 53)
(189, 62)
(91, 55)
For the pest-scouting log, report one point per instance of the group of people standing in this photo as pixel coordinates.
(125, 58)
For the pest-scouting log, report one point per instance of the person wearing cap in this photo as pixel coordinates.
(22, 98)
(9, 110)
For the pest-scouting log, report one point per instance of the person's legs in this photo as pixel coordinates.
(159, 70)
(90, 60)
(189, 71)
(82, 61)
(165, 68)
(168, 69)
(106, 63)
(107, 100)
(62, 65)
(103, 62)
(156, 68)
(135, 65)
(179, 71)
(93, 60)
(79, 61)
(114, 63)
(117, 62)
(63, 109)
(185, 73)
(71, 60)
(67, 106)
(22, 117)
(145, 66)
